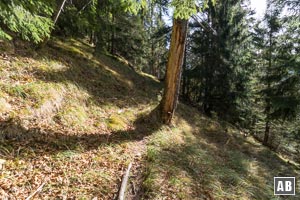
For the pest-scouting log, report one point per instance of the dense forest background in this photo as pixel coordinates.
(236, 69)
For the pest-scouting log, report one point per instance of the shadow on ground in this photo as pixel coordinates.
(44, 141)
(106, 78)
(207, 163)
(211, 163)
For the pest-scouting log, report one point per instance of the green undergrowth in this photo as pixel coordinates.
(199, 158)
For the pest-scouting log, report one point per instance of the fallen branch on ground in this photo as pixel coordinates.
(36, 191)
(124, 183)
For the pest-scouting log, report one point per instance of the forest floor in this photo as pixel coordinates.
(71, 122)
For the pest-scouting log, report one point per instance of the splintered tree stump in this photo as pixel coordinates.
(173, 74)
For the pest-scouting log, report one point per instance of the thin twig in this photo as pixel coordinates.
(133, 188)
(36, 191)
(84, 7)
(124, 183)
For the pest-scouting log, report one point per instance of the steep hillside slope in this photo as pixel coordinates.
(71, 122)
(201, 158)
(68, 120)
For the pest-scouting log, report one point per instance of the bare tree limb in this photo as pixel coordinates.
(59, 11)
(84, 7)
(124, 183)
(36, 191)
(207, 28)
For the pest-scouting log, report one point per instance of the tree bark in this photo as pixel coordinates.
(267, 125)
(267, 133)
(112, 39)
(268, 103)
(184, 76)
(174, 66)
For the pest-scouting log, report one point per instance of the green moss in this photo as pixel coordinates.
(116, 123)
(41, 92)
(7, 47)
(69, 154)
(2, 93)
(16, 91)
(73, 115)
(92, 175)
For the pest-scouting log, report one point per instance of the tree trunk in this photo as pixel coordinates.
(184, 77)
(55, 18)
(152, 61)
(267, 133)
(267, 126)
(59, 11)
(173, 74)
(112, 40)
(267, 111)
(268, 103)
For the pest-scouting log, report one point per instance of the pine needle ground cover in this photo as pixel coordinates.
(72, 121)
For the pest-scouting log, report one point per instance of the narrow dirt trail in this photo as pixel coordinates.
(134, 185)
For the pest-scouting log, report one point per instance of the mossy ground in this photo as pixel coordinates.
(74, 120)
(67, 119)
(201, 158)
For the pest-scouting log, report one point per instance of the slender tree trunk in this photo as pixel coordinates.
(92, 37)
(267, 133)
(84, 7)
(173, 74)
(112, 44)
(268, 103)
(184, 86)
(152, 61)
(55, 18)
(184, 78)
(267, 125)
(59, 11)
(268, 109)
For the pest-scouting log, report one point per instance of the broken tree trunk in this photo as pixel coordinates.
(173, 74)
